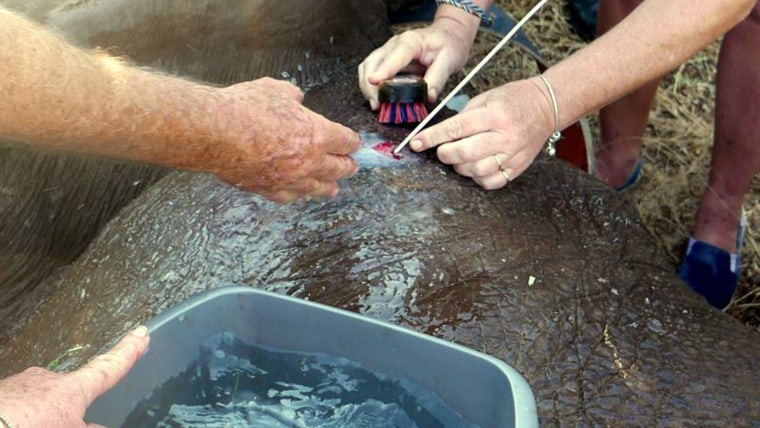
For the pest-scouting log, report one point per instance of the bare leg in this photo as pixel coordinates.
(708, 267)
(736, 149)
(624, 121)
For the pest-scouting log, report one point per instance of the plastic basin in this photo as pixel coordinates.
(482, 389)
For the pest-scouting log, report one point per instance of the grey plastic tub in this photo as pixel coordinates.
(483, 389)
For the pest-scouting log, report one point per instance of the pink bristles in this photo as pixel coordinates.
(400, 113)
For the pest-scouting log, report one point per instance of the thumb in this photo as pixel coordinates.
(436, 76)
(105, 371)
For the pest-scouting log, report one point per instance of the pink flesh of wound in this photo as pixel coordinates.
(386, 148)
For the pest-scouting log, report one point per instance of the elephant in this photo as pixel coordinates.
(554, 274)
(59, 209)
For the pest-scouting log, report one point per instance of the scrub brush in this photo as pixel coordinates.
(402, 99)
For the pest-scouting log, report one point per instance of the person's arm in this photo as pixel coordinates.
(512, 122)
(254, 135)
(466, 20)
(654, 39)
(41, 398)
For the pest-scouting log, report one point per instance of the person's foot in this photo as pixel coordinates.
(711, 271)
(717, 220)
(712, 261)
(615, 164)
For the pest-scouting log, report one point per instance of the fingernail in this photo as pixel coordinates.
(416, 145)
(373, 104)
(140, 331)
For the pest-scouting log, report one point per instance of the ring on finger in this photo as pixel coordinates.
(498, 162)
(506, 176)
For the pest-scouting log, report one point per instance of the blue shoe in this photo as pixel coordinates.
(634, 178)
(712, 271)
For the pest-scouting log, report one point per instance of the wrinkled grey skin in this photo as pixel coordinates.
(60, 202)
(553, 274)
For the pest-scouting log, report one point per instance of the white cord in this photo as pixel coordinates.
(470, 75)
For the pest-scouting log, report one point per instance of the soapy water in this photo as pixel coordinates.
(234, 383)
(376, 152)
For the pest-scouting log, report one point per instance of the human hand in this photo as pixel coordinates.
(280, 149)
(441, 49)
(496, 136)
(39, 398)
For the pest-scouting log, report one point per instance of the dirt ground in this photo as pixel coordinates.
(676, 148)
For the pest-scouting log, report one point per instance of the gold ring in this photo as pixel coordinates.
(498, 162)
(506, 176)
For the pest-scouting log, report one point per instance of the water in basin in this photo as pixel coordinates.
(233, 383)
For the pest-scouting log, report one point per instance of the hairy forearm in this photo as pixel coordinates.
(57, 96)
(653, 40)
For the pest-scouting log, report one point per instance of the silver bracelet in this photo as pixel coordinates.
(556, 135)
(471, 8)
(4, 422)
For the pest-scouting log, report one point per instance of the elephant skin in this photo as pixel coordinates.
(554, 274)
(53, 205)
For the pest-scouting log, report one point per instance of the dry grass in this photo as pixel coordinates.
(677, 145)
(677, 150)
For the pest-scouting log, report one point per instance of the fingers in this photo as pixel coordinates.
(483, 167)
(309, 187)
(437, 75)
(491, 172)
(472, 149)
(487, 173)
(321, 183)
(280, 197)
(487, 177)
(369, 90)
(459, 127)
(491, 157)
(332, 168)
(401, 54)
(367, 68)
(106, 370)
(336, 138)
(494, 181)
(385, 62)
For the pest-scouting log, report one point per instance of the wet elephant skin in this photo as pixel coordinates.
(51, 206)
(605, 335)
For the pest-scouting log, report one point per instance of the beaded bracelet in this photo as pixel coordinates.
(471, 8)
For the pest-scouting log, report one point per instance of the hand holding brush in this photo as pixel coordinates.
(433, 53)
